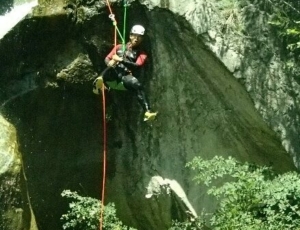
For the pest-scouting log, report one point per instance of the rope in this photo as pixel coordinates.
(107, 3)
(112, 17)
(104, 157)
(124, 25)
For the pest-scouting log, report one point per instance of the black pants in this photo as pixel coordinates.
(130, 82)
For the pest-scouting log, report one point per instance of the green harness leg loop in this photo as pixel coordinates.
(116, 85)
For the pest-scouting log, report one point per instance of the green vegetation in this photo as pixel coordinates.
(285, 18)
(188, 225)
(253, 18)
(261, 21)
(285, 22)
(84, 214)
(250, 197)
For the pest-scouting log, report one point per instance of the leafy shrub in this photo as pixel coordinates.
(195, 224)
(252, 197)
(286, 19)
(84, 214)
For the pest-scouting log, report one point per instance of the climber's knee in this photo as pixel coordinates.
(131, 82)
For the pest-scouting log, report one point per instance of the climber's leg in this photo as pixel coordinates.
(108, 75)
(131, 83)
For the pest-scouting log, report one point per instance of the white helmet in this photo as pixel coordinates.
(137, 29)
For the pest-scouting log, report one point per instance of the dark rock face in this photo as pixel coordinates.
(46, 92)
(5, 6)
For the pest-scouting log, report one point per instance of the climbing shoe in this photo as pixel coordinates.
(97, 85)
(148, 116)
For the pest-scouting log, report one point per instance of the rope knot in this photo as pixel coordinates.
(112, 17)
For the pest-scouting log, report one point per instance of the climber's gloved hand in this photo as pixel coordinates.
(112, 63)
(117, 58)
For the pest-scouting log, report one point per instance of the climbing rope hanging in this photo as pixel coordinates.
(113, 18)
(104, 157)
(116, 31)
(124, 25)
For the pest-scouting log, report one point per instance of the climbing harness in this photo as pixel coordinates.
(99, 85)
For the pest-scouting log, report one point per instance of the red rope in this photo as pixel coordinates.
(115, 38)
(104, 157)
(104, 125)
(112, 17)
(107, 3)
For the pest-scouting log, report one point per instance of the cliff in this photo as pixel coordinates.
(46, 75)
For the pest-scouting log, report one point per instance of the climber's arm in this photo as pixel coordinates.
(111, 59)
(140, 61)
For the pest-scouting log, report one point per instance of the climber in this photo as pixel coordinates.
(122, 66)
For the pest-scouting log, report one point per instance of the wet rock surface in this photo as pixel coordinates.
(15, 211)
